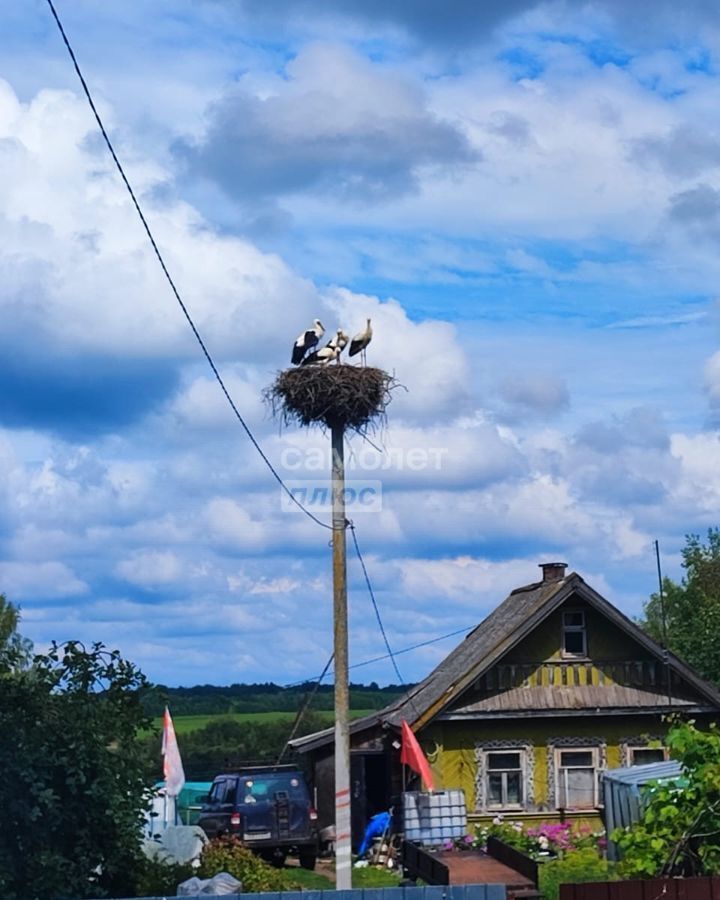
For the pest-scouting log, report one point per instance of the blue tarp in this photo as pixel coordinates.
(377, 826)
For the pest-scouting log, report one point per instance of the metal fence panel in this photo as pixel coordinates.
(430, 892)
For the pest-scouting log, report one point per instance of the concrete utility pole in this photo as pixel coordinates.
(343, 850)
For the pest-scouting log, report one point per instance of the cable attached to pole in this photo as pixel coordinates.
(169, 278)
(304, 707)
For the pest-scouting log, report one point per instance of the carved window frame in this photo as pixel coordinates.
(596, 744)
(527, 762)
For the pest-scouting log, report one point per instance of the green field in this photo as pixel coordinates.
(185, 724)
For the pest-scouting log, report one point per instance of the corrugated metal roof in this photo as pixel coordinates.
(639, 775)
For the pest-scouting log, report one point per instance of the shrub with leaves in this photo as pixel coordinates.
(227, 854)
(73, 781)
(158, 877)
(576, 867)
(679, 833)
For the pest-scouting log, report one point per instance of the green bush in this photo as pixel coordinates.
(578, 866)
(158, 878)
(227, 854)
(679, 833)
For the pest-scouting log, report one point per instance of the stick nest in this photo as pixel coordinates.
(349, 396)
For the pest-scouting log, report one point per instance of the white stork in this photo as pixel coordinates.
(306, 341)
(360, 341)
(339, 342)
(322, 357)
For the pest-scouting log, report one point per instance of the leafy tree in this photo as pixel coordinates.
(680, 830)
(73, 787)
(692, 608)
(15, 651)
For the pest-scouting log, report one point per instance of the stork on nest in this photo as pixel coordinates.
(335, 395)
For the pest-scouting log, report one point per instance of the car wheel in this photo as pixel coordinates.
(307, 860)
(277, 858)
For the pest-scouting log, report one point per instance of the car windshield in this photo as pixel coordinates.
(266, 785)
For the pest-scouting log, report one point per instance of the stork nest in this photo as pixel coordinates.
(331, 395)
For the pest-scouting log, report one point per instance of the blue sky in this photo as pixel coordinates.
(525, 198)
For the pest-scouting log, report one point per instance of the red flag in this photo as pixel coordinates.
(411, 755)
(172, 764)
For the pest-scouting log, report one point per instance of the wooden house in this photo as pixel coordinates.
(551, 688)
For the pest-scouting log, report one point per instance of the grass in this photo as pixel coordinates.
(310, 881)
(185, 724)
(375, 878)
(361, 878)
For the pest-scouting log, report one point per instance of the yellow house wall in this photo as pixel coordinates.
(450, 747)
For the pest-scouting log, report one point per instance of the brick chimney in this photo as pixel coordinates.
(553, 571)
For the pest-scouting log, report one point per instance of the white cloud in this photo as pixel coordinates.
(151, 568)
(41, 581)
(559, 232)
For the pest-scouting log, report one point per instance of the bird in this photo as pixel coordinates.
(321, 357)
(339, 341)
(306, 341)
(360, 341)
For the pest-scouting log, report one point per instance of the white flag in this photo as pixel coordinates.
(172, 764)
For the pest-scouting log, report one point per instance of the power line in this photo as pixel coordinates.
(199, 339)
(303, 708)
(368, 662)
(374, 603)
(170, 281)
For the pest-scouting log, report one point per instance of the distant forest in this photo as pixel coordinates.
(209, 700)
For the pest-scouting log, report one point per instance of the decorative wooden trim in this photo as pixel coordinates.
(554, 744)
(528, 767)
(642, 742)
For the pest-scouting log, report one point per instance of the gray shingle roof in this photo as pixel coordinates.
(517, 616)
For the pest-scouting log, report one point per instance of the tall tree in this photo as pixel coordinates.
(73, 786)
(15, 650)
(692, 607)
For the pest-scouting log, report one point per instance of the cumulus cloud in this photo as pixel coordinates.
(150, 568)
(698, 210)
(459, 23)
(712, 380)
(431, 363)
(534, 395)
(685, 152)
(151, 520)
(93, 337)
(338, 124)
(49, 580)
(643, 427)
(456, 21)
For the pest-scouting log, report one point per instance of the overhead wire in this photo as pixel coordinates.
(374, 659)
(302, 709)
(203, 346)
(173, 287)
(374, 603)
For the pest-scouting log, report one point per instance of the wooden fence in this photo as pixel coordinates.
(702, 888)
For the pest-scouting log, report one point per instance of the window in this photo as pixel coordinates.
(574, 634)
(222, 791)
(641, 756)
(504, 774)
(577, 782)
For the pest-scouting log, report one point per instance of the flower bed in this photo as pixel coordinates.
(549, 840)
